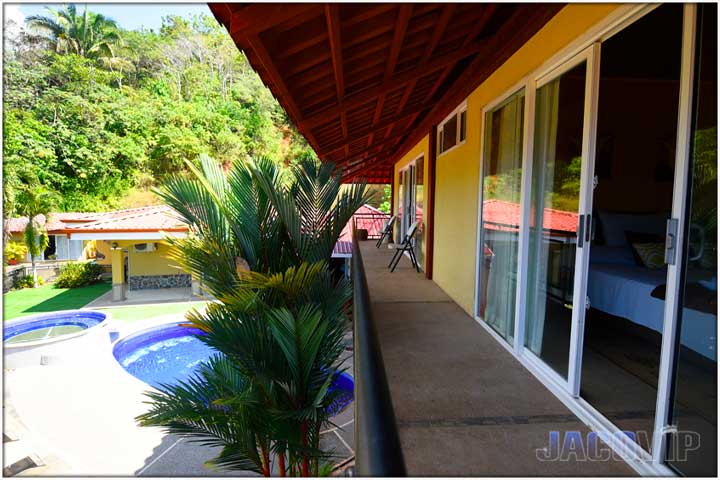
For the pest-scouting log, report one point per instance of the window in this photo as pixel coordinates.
(451, 131)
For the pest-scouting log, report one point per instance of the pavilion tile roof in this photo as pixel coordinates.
(144, 219)
(150, 218)
(505, 216)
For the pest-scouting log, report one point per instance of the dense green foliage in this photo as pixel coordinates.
(78, 274)
(95, 117)
(35, 203)
(15, 252)
(26, 281)
(261, 241)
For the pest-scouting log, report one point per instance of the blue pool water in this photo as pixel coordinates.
(50, 325)
(170, 353)
(163, 354)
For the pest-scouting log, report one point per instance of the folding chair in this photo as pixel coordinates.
(405, 246)
(388, 231)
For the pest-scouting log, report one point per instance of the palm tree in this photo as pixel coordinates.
(90, 35)
(34, 203)
(261, 239)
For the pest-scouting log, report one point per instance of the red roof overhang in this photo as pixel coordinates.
(365, 82)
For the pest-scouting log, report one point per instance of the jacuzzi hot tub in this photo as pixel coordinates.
(52, 337)
(171, 353)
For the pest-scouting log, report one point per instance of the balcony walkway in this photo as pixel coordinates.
(464, 405)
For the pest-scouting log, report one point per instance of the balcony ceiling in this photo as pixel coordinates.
(364, 83)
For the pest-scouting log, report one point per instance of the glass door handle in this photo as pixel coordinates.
(581, 231)
(671, 241)
(588, 227)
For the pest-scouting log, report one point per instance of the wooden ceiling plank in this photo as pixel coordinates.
(440, 27)
(294, 47)
(396, 81)
(376, 116)
(516, 30)
(368, 13)
(255, 18)
(401, 25)
(360, 134)
(332, 19)
(375, 145)
(490, 9)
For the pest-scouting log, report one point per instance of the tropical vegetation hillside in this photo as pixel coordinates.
(97, 114)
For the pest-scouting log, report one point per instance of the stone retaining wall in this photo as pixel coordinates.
(144, 282)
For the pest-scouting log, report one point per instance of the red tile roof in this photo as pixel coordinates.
(163, 218)
(57, 222)
(144, 219)
(502, 215)
(367, 218)
(60, 221)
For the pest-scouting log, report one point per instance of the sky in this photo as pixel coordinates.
(128, 16)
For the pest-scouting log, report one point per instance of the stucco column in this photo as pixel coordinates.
(195, 286)
(118, 274)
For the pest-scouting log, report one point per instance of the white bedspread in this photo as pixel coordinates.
(624, 291)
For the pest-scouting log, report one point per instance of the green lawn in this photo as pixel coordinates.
(49, 299)
(143, 312)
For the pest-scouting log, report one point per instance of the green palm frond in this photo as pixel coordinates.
(279, 326)
(89, 35)
(195, 410)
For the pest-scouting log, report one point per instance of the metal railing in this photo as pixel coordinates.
(377, 443)
(372, 222)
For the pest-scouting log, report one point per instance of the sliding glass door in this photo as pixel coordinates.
(411, 198)
(419, 206)
(557, 230)
(692, 447)
(597, 240)
(409, 213)
(500, 213)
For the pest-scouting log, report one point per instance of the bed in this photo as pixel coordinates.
(625, 291)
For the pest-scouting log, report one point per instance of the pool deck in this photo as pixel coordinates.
(147, 297)
(464, 405)
(77, 417)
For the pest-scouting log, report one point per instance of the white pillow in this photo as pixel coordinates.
(614, 225)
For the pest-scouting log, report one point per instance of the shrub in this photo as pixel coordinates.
(26, 281)
(78, 274)
(15, 252)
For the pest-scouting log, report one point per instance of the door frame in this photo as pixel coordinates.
(409, 191)
(638, 458)
(591, 57)
(499, 102)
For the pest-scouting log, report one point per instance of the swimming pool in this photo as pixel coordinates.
(50, 326)
(51, 337)
(170, 353)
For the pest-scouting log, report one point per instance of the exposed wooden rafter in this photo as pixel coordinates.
(363, 83)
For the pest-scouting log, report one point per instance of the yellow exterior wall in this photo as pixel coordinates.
(420, 149)
(152, 263)
(117, 259)
(457, 171)
(103, 246)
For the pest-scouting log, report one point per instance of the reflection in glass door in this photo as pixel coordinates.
(499, 235)
(692, 450)
(419, 205)
(639, 85)
(401, 206)
(554, 234)
(408, 194)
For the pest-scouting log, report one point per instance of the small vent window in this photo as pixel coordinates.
(451, 131)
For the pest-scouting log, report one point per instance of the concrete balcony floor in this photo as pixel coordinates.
(464, 405)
